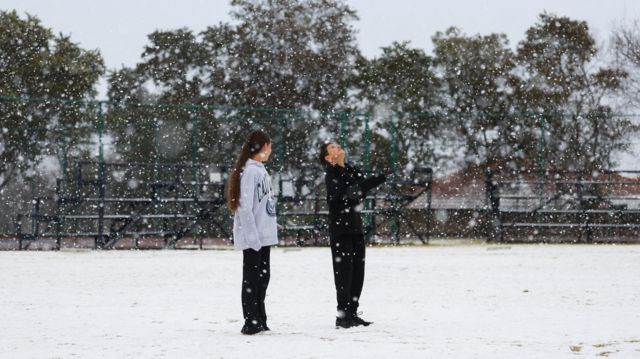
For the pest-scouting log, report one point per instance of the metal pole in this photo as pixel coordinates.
(367, 170)
(395, 228)
(283, 141)
(429, 211)
(394, 144)
(282, 153)
(282, 149)
(19, 233)
(65, 153)
(343, 130)
(100, 133)
(541, 164)
(195, 165)
(194, 151)
(60, 199)
(367, 164)
(493, 204)
(35, 218)
(61, 185)
(155, 179)
(101, 174)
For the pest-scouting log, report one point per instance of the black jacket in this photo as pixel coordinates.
(346, 188)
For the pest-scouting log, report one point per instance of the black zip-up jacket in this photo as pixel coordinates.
(346, 188)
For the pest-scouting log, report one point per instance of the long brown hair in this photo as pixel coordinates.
(251, 146)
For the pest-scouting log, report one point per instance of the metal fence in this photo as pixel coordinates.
(116, 172)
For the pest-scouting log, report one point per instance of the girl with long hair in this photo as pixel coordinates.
(250, 198)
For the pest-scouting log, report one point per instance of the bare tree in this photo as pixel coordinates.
(625, 42)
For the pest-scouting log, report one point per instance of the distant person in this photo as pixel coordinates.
(346, 188)
(250, 198)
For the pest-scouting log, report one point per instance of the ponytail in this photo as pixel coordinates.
(251, 146)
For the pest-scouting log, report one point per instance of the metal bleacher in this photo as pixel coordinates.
(129, 205)
(570, 204)
(108, 202)
(303, 212)
(302, 209)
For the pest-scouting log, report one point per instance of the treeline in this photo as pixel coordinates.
(553, 101)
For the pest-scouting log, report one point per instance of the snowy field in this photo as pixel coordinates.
(468, 301)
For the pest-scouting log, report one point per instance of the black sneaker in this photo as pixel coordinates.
(357, 321)
(251, 327)
(344, 323)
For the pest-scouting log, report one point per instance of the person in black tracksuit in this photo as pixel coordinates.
(346, 188)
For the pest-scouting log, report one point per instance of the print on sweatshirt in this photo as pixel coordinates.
(264, 189)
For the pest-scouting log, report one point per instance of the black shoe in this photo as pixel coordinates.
(357, 321)
(344, 323)
(264, 326)
(251, 327)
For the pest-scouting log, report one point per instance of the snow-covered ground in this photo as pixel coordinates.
(471, 301)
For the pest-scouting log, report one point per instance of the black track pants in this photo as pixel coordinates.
(256, 273)
(348, 254)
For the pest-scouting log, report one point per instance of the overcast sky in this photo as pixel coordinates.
(119, 28)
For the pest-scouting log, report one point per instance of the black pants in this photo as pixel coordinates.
(348, 253)
(256, 273)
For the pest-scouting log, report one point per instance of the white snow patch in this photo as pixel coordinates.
(473, 301)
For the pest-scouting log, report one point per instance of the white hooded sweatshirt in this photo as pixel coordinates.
(254, 223)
